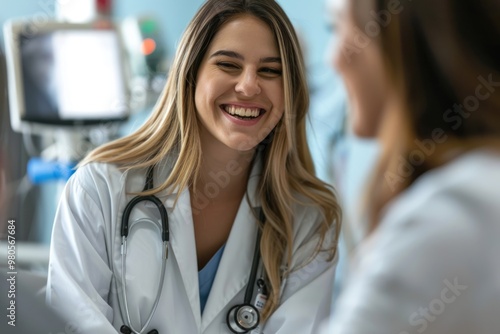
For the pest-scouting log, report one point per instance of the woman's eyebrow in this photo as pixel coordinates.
(271, 60)
(233, 54)
(227, 53)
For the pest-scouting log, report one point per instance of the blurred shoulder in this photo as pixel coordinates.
(460, 191)
(445, 219)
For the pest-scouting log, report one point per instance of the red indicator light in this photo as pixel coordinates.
(148, 46)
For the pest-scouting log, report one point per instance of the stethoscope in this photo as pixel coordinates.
(241, 318)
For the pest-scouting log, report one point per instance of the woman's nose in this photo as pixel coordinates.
(248, 84)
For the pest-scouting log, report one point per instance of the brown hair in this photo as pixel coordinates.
(442, 59)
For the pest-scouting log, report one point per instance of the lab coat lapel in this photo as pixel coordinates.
(183, 245)
(234, 268)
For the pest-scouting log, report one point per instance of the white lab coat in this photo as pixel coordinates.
(433, 264)
(85, 254)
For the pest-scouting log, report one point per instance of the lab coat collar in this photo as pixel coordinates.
(183, 245)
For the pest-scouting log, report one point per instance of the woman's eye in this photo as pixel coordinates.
(271, 71)
(227, 66)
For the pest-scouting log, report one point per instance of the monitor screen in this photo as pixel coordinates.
(66, 74)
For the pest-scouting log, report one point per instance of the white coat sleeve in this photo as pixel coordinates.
(79, 277)
(307, 293)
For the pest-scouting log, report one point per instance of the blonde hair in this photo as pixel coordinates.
(287, 168)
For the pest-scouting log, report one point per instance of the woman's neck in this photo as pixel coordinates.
(224, 172)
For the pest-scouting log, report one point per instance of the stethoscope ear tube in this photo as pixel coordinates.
(165, 234)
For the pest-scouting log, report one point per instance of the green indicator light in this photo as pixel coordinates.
(148, 27)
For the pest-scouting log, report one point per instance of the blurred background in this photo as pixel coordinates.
(96, 50)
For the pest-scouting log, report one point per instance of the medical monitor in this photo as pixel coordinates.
(62, 74)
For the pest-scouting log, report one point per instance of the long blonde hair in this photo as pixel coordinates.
(287, 168)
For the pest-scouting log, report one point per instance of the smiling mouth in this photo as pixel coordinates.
(242, 113)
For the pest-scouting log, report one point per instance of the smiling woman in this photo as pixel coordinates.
(239, 94)
(225, 154)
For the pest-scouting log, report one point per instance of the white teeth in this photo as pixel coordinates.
(242, 112)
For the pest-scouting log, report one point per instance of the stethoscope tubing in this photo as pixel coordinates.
(255, 263)
(158, 294)
(165, 236)
(165, 232)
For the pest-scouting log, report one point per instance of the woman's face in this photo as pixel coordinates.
(358, 59)
(239, 89)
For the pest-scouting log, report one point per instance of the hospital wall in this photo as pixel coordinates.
(309, 17)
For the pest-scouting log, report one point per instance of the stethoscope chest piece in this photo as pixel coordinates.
(243, 318)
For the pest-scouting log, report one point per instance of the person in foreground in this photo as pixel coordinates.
(430, 263)
(238, 216)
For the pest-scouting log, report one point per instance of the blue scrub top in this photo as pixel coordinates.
(206, 277)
